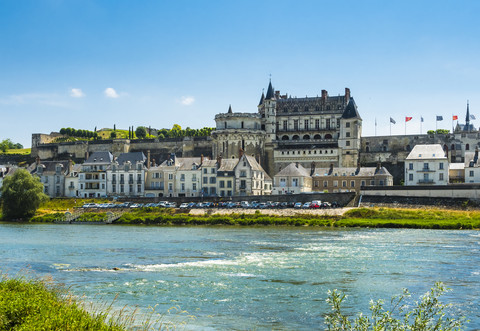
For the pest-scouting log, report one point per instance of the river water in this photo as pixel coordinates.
(247, 278)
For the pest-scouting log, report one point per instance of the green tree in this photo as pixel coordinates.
(5, 145)
(113, 134)
(141, 132)
(21, 195)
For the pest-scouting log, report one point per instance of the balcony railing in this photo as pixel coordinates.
(426, 170)
(425, 181)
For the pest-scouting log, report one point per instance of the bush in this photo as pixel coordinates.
(426, 314)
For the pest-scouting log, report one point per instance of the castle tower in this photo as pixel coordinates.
(350, 133)
(237, 132)
(267, 109)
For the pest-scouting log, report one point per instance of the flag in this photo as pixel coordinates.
(392, 121)
(407, 118)
(455, 118)
(472, 117)
(439, 118)
(421, 119)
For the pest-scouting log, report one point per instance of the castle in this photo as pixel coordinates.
(317, 130)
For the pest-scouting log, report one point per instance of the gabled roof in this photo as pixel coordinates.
(187, 163)
(227, 164)
(293, 169)
(427, 152)
(230, 109)
(351, 110)
(99, 157)
(133, 157)
(50, 166)
(471, 160)
(351, 171)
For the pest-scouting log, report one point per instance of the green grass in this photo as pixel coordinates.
(23, 151)
(27, 304)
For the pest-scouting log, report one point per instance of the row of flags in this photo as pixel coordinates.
(438, 118)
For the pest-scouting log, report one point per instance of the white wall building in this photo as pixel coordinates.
(126, 175)
(426, 165)
(92, 179)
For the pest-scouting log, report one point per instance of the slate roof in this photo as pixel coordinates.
(293, 170)
(99, 158)
(351, 110)
(228, 164)
(133, 157)
(253, 163)
(470, 160)
(50, 166)
(427, 152)
(351, 171)
(270, 93)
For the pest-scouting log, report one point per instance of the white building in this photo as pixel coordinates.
(126, 175)
(71, 182)
(426, 165)
(472, 167)
(92, 179)
(52, 175)
(250, 178)
(293, 179)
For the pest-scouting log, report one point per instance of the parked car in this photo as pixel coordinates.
(89, 205)
(297, 205)
(325, 205)
(306, 205)
(244, 204)
(184, 205)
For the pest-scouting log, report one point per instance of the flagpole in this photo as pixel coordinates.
(390, 127)
(405, 125)
(375, 126)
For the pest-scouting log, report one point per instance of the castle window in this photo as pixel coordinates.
(242, 124)
(467, 147)
(452, 147)
(225, 125)
(295, 137)
(408, 148)
(317, 136)
(328, 107)
(347, 143)
(328, 136)
(317, 124)
(306, 124)
(285, 137)
(367, 149)
(285, 125)
(314, 152)
(306, 108)
(295, 109)
(306, 137)
(295, 125)
(347, 134)
(317, 108)
(347, 125)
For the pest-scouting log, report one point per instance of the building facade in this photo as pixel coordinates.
(426, 165)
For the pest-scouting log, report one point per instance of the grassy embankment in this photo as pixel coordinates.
(27, 304)
(23, 151)
(431, 218)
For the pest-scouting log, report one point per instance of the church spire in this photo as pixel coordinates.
(261, 99)
(467, 119)
(270, 95)
(230, 109)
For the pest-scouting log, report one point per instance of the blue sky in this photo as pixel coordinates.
(87, 64)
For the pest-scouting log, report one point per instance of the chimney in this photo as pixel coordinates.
(324, 95)
(240, 153)
(70, 166)
(347, 94)
(87, 155)
(201, 159)
(219, 161)
(312, 168)
(148, 159)
(154, 163)
(277, 95)
(172, 157)
(379, 165)
(38, 160)
(358, 168)
(296, 164)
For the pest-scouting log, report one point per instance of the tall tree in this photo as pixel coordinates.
(21, 195)
(141, 132)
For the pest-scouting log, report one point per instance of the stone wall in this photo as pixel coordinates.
(460, 191)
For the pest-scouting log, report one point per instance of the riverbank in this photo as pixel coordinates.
(29, 304)
(372, 217)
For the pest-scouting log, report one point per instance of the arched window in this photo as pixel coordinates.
(295, 109)
(295, 137)
(467, 147)
(306, 109)
(306, 137)
(328, 136)
(317, 136)
(328, 107)
(285, 137)
(367, 149)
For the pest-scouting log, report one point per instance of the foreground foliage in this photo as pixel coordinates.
(426, 314)
(21, 195)
(38, 305)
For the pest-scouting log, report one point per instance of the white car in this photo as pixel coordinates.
(184, 205)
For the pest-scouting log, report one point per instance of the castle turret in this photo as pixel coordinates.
(350, 133)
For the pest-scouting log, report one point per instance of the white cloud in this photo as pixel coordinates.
(76, 93)
(187, 101)
(111, 93)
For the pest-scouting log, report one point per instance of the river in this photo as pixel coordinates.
(247, 278)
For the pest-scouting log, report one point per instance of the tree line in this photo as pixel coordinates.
(7, 144)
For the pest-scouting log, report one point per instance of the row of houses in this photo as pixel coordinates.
(133, 175)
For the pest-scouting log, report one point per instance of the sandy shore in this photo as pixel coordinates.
(271, 212)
